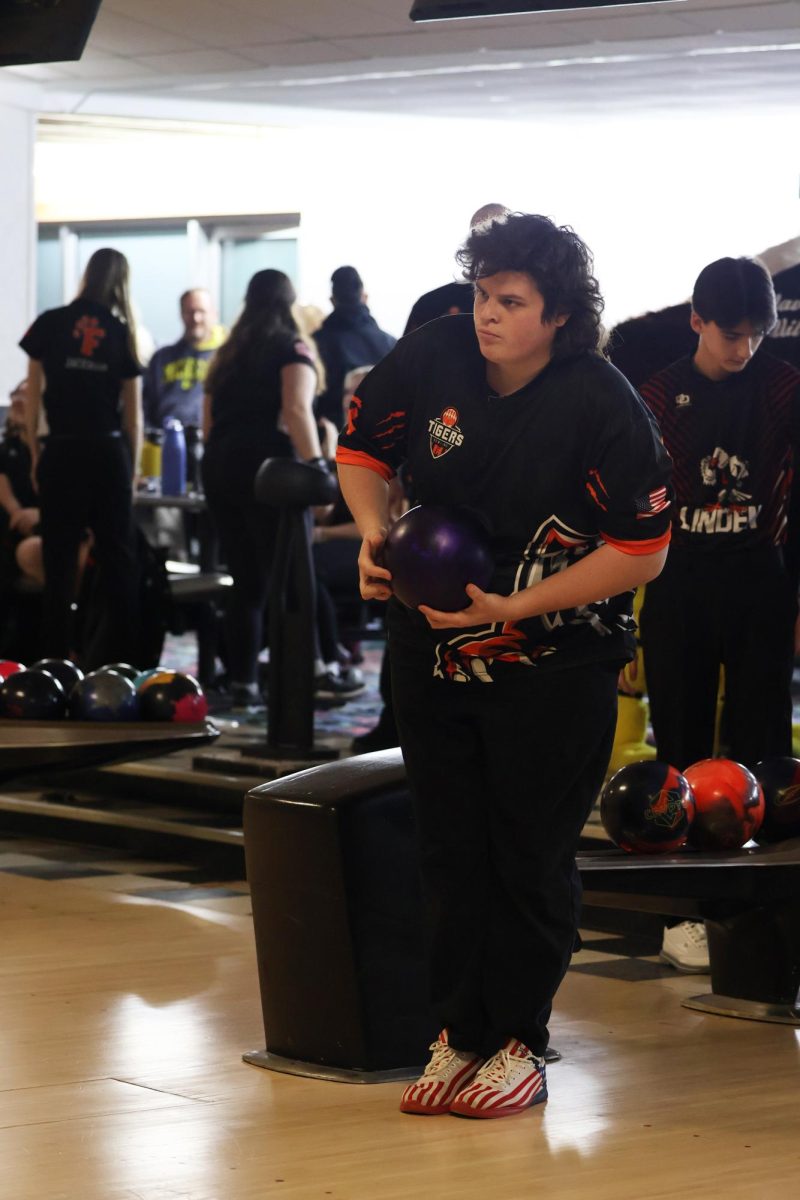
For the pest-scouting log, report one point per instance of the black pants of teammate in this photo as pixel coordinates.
(247, 534)
(336, 570)
(704, 611)
(503, 782)
(85, 483)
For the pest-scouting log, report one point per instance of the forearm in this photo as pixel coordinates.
(603, 573)
(367, 496)
(133, 432)
(33, 406)
(302, 429)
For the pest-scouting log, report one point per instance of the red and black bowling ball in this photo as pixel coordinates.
(62, 669)
(9, 667)
(730, 804)
(433, 552)
(647, 808)
(32, 695)
(780, 782)
(104, 696)
(171, 696)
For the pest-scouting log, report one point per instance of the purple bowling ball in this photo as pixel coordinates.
(433, 552)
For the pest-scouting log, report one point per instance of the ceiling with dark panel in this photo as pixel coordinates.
(364, 56)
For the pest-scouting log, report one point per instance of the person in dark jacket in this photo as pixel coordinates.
(457, 296)
(348, 338)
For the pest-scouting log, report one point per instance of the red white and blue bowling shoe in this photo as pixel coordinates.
(510, 1081)
(448, 1073)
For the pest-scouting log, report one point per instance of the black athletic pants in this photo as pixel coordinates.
(706, 610)
(85, 483)
(248, 533)
(503, 781)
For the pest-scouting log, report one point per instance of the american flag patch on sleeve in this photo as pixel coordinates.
(654, 502)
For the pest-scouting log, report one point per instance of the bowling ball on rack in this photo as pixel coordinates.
(9, 667)
(32, 695)
(730, 804)
(143, 675)
(104, 696)
(62, 669)
(433, 552)
(779, 779)
(647, 808)
(171, 696)
(124, 669)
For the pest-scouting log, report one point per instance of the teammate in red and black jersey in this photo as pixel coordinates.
(83, 369)
(730, 422)
(506, 710)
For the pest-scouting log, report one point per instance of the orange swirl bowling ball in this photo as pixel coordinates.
(730, 804)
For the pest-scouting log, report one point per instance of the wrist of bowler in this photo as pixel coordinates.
(374, 579)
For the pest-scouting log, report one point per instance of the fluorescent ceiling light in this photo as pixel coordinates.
(453, 10)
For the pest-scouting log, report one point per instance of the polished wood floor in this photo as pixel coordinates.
(124, 1017)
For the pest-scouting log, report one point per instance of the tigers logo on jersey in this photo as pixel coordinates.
(444, 433)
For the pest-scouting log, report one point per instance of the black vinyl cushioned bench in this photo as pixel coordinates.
(337, 908)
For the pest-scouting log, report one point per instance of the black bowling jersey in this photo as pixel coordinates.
(570, 461)
(84, 351)
(784, 340)
(731, 443)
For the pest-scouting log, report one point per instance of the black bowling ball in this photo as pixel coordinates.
(124, 669)
(780, 783)
(32, 695)
(61, 669)
(104, 696)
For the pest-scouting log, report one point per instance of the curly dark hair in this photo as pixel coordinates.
(558, 262)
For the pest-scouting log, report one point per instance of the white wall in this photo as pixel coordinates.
(656, 197)
(17, 234)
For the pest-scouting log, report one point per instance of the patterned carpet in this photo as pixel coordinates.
(348, 720)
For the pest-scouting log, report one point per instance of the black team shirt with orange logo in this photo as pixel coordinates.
(732, 446)
(569, 462)
(83, 349)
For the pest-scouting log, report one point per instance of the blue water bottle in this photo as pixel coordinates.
(173, 459)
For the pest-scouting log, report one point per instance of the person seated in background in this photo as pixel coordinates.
(21, 553)
(347, 338)
(173, 382)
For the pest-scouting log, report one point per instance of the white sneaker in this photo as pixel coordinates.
(507, 1083)
(685, 947)
(448, 1071)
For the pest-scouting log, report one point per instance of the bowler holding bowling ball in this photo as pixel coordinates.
(506, 708)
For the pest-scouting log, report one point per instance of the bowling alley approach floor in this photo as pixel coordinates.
(129, 990)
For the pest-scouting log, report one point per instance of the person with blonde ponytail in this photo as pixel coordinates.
(83, 369)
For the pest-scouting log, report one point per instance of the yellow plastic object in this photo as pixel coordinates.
(150, 460)
(629, 744)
